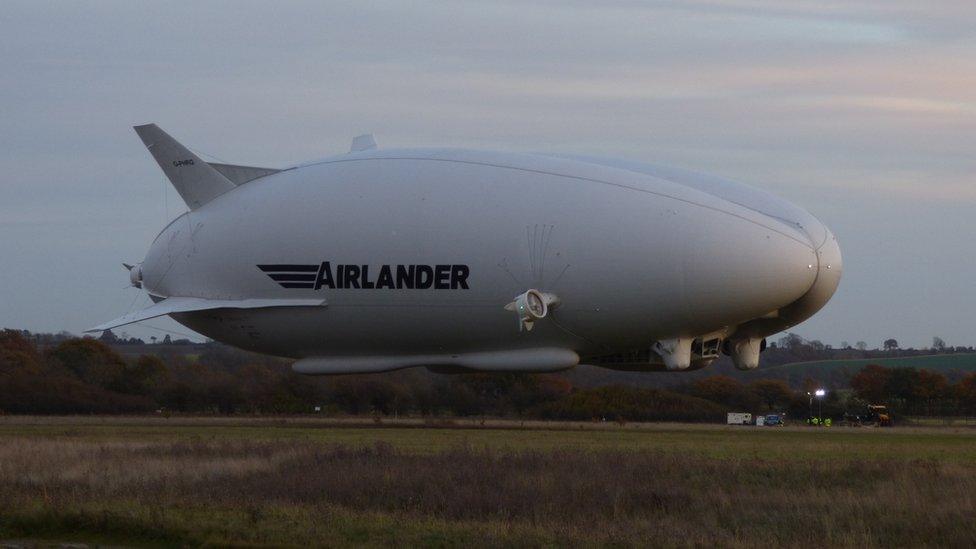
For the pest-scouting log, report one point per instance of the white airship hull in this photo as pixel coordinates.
(413, 256)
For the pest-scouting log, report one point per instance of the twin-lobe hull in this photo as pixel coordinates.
(632, 257)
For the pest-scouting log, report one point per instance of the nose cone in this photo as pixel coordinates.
(790, 269)
(830, 259)
(734, 272)
(820, 255)
(829, 268)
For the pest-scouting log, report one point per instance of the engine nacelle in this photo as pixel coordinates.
(745, 352)
(676, 353)
(530, 307)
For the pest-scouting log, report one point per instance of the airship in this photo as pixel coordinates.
(462, 260)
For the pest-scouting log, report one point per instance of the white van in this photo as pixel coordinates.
(740, 418)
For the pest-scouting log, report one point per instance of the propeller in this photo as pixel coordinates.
(135, 274)
(531, 306)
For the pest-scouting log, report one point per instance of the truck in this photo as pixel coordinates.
(875, 415)
(739, 418)
(878, 415)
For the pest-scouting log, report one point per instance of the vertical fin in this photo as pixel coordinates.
(195, 180)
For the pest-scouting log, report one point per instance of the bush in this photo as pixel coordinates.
(619, 403)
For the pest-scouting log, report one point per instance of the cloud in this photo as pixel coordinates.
(888, 104)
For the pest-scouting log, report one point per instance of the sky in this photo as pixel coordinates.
(862, 112)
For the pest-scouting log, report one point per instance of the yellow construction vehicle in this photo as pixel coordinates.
(878, 415)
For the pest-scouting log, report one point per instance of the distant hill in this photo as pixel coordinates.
(965, 362)
(794, 368)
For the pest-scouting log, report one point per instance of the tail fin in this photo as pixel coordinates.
(195, 180)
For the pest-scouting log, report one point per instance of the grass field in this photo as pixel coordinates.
(275, 482)
(965, 362)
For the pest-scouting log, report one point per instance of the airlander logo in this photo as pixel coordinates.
(390, 277)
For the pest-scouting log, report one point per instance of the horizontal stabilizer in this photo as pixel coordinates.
(195, 180)
(190, 304)
(239, 175)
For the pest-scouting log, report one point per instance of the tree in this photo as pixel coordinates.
(861, 346)
(92, 361)
(890, 344)
(845, 345)
(929, 388)
(790, 341)
(772, 392)
(148, 375)
(938, 344)
(871, 383)
(810, 385)
(632, 404)
(17, 353)
(901, 385)
(725, 390)
(965, 391)
(364, 394)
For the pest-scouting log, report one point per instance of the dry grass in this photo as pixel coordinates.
(301, 490)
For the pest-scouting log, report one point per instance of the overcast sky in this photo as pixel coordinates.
(862, 112)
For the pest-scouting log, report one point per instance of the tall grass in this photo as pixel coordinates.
(305, 492)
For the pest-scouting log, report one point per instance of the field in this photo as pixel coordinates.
(964, 362)
(274, 482)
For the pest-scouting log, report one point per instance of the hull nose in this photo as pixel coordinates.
(829, 266)
(820, 250)
(733, 272)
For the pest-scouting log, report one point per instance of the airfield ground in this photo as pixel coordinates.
(273, 482)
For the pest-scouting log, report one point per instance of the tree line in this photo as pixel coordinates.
(912, 391)
(86, 376)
